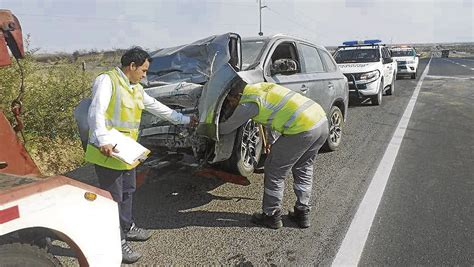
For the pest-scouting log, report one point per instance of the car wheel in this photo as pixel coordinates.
(377, 99)
(336, 123)
(413, 75)
(391, 90)
(247, 149)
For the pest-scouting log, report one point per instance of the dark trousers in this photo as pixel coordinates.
(121, 184)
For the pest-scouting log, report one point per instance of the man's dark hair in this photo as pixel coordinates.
(135, 54)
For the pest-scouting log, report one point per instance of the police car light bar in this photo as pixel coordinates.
(365, 42)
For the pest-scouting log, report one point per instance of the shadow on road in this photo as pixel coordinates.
(171, 199)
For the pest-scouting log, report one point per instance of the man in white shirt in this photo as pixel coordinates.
(117, 102)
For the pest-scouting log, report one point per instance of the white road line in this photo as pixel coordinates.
(439, 77)
(353, 244)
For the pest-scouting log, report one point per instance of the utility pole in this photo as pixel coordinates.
(260, 7)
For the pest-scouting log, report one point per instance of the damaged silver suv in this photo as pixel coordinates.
(195, 79)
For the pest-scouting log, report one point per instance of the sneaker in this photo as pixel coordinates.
(137, 234)
(300, 216)
(128, 255)
(270, 221)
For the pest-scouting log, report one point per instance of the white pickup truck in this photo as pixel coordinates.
(369, 68)
(407, 60)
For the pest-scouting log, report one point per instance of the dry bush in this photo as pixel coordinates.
(51, 93)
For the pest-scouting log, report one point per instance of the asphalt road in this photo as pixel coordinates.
(427, 213)
(424, 216)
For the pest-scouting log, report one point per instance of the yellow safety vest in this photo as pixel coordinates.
(281, 109)
(124, 114)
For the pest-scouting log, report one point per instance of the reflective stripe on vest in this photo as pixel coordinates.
(124, 114)
(282, 109)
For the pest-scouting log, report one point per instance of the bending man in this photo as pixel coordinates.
(303, 127)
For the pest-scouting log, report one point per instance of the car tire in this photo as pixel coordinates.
(18, 254)
(377, 99)
(336, 124)
(247, 150)
(413, 75)
(391, 90)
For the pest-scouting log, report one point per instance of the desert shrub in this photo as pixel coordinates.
(51, 93)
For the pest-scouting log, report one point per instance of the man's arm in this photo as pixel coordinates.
(242, 113)
(158, 109)
(101, 94)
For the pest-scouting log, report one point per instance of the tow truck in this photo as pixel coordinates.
(369, 68)
(35, 210)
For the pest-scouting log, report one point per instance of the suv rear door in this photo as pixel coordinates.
(315, 75)
(217, 87)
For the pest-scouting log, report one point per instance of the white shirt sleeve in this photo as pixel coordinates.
(101, 95)
(158, 109)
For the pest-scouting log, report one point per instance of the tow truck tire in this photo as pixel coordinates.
(377, 99)
(247, 150)
(19, 254)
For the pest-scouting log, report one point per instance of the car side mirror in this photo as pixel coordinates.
(284, 66)
(418, 55)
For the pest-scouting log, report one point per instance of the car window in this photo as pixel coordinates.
(286, 50)
(357, 55)
(403, 53)
(311, 59)
(328, 60)
(251, 52)
(385, 53)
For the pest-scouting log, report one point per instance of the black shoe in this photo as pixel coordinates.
(270, 221)
(137, 234)
(300, 216)
(128, 255)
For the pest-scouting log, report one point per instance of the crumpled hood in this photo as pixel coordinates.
(192, 63)
(359, 67)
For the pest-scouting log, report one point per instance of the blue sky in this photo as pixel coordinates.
(69, 25)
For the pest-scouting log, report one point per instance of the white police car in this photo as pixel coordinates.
(407, 60)
(369, 68)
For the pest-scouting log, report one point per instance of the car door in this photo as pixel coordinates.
(336, 81)
(316, 78)
(388, 66)
(216, 89)
(282, 49)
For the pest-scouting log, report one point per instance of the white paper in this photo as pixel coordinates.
(129, 150)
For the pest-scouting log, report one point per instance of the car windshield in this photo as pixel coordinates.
(403, 53)
(251, 51)
(356, 55)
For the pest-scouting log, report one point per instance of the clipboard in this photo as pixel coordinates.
(130, 151)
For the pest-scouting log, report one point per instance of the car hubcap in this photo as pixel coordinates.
(250, 140)
(335, 131)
